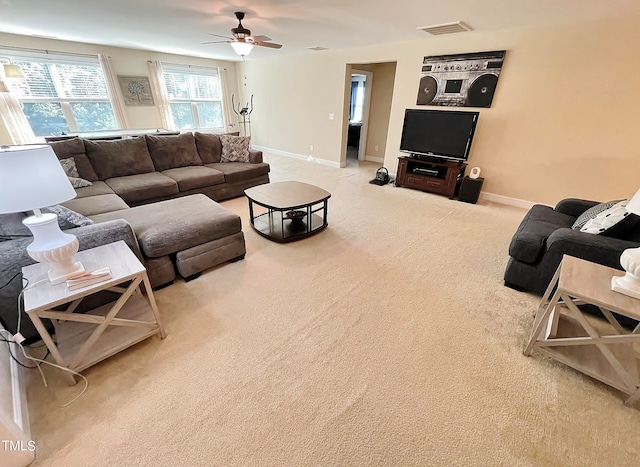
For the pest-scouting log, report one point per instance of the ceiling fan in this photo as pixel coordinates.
(242, 40)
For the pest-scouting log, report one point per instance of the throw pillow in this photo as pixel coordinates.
(69, 167)
(235, 148)
(68, 219)
(613, 222)
(591, 213)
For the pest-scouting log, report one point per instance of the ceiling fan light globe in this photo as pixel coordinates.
(242, 48)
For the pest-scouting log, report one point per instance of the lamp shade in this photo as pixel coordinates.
(242, 48)
(633, 206)
(31, 178)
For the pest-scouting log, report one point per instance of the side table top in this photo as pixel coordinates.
(592, 282)
(286, 195)
(122, 262)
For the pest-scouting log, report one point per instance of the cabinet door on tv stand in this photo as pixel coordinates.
(401, 175)
(415, 181)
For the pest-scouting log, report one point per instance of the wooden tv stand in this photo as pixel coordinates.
(429, 175)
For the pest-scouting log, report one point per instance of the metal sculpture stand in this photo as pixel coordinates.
(244, 115)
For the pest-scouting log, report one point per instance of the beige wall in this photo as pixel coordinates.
(563, 120)
(124, 62)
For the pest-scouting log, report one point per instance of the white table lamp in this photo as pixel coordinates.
(629, 284)
(31, 178)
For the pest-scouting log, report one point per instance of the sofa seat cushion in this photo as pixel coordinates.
(167, 227)
(239, 171)
(74, 147)
(91, 205)
(191, 178)
(136, 188)
(168, 152)
(529, 241)
(98, 188)
(119, 158)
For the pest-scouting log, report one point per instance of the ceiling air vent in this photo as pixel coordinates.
(449, 28)
(317, 48)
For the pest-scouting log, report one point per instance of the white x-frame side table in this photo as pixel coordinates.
(562, 331)
(84, 339)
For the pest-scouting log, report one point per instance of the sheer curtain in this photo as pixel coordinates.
(162, 99)
(13, 121)
(227, 108)
(117, 102)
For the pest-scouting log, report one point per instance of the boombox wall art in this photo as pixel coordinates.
(463, 80)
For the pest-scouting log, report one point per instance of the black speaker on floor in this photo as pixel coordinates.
(470, 189)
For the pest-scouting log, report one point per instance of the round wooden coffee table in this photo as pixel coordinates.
(295, 210)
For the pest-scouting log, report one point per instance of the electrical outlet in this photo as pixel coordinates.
(377, 147)
(332, 116)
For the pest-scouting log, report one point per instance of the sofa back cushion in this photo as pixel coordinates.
(74, 147)
(119, 158)
(210, 147)
(170, 152)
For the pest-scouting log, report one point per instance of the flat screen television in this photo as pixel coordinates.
(440, 134)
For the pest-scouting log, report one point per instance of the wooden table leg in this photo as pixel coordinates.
(46, 337)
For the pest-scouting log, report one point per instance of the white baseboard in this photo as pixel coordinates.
(294, 155)
(379, 160)
(519, 203)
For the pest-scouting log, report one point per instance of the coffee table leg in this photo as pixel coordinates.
(250, 211)
(325, 218)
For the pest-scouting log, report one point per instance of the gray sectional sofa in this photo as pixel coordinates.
(158, 193)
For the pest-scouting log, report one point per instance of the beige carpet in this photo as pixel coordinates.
(387, 339)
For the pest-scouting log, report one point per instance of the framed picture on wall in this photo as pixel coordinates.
(136, 90)
(462, 80)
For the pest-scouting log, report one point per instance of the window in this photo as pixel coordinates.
(195, 97)
(61, 94)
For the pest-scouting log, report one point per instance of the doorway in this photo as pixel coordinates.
(359, 105)
(367, 109)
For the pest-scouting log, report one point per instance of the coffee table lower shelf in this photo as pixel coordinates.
(272, 225)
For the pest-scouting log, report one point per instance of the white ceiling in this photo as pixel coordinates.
(180, 26)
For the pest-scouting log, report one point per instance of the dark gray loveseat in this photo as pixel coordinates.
(545, 234)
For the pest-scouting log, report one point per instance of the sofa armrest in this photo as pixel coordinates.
(255, 157)
(101, 233)
(590, 247)
(574, 206)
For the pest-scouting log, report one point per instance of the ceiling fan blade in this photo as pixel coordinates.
(260, 38)
(218, 35)
(271, 45)
(216, 42)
